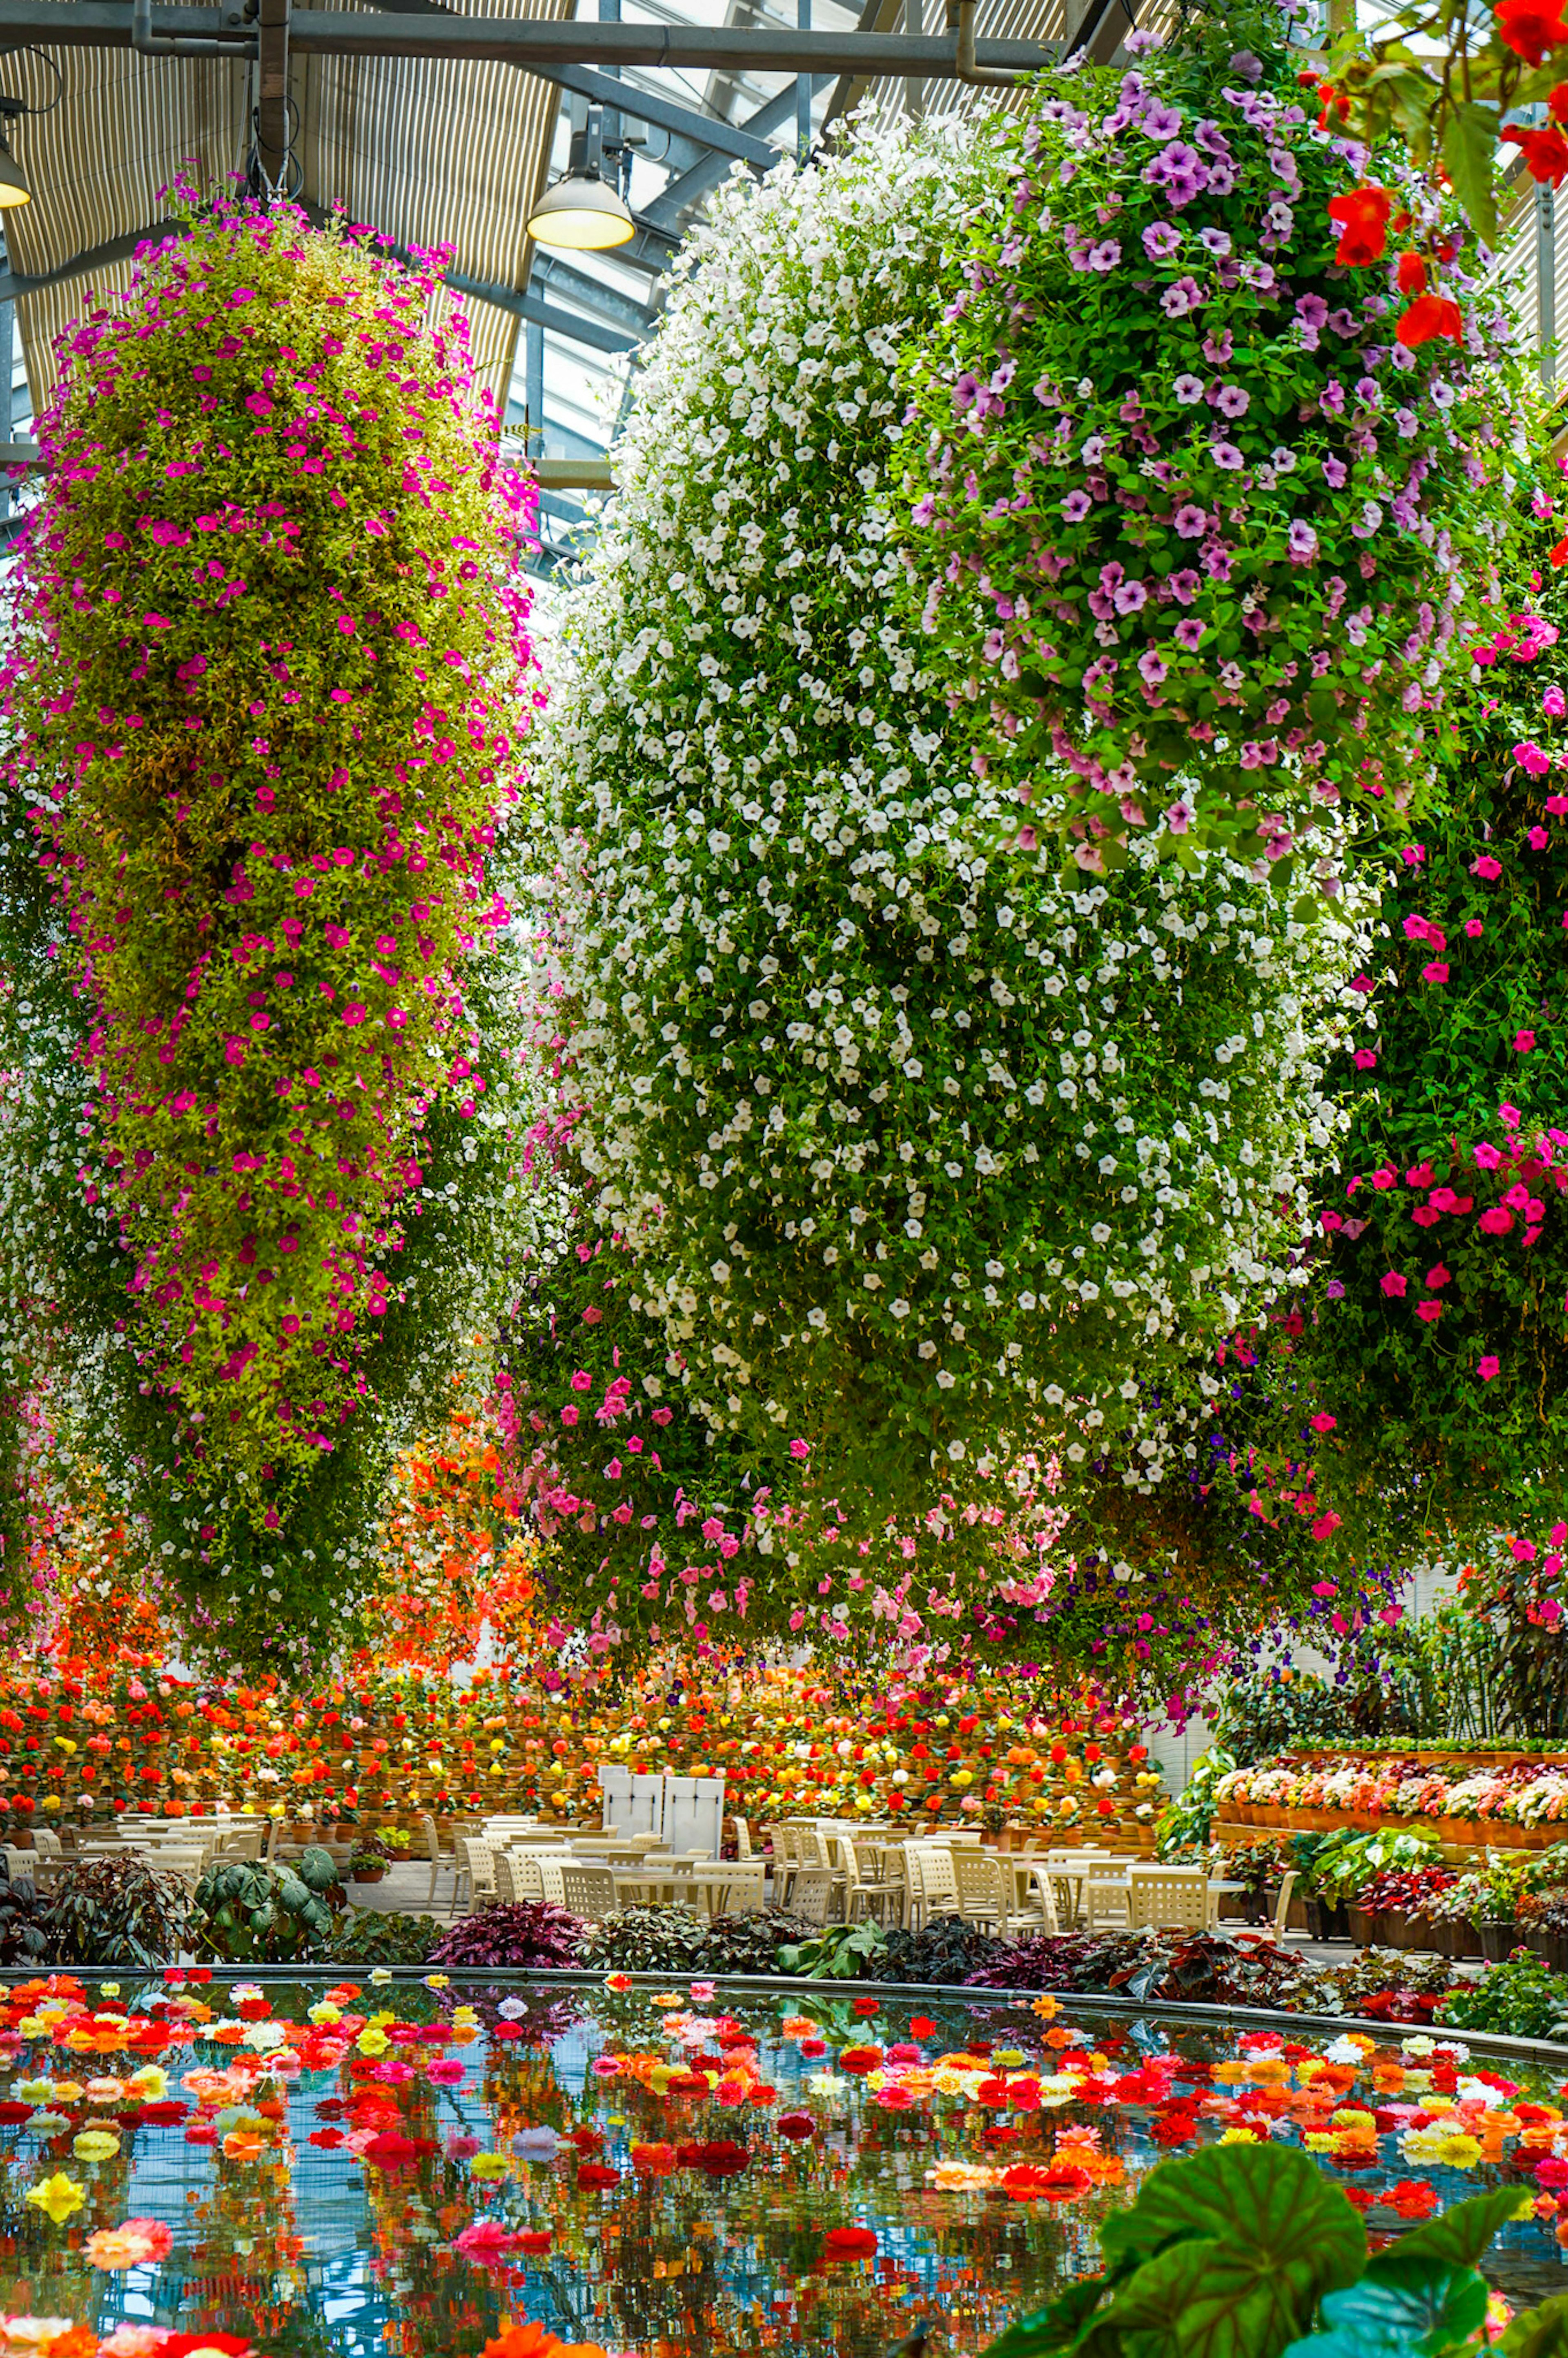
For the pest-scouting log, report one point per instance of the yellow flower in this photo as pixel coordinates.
(1348, 2119)
(57, 2197)
(371, 2041)
(379, 1975)
(1319, 2141)
(150, 2084)
(1459, 2152)
(491, 2165)
(438, 1981)
(325, 2013)
(1239, 2137)
(96, 2144)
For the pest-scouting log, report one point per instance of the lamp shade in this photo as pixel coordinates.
(582, 214)
(14, 188)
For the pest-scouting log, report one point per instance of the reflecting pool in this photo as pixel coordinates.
(668, 2171)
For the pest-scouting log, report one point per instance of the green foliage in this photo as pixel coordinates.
(1188, 1816)
(1523, 1997)
(1249, 2252)
(370, 1936)
(837, 1953)
(256, 1910)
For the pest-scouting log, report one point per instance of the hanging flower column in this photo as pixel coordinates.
(265, 712)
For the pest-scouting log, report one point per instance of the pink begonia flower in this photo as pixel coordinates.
(1393, 1283)
(1429, 1311)
(1488, 1367)
(1524, 1041)
(1486, 867)
(1436, 972)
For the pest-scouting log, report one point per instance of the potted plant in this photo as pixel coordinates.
(369, 1862)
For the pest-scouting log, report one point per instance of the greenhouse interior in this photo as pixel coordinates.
(784, 1179)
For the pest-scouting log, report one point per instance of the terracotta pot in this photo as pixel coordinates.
(369, 1875)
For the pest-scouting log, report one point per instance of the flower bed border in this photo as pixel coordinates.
(1460, 1834)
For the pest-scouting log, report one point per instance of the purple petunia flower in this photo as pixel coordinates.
(1188, 634)
(1185, 586)
(1076, 506)
(1303, 542)
(1183, 295)
(1160, 239)
(1152, 667)
(1192, 523)
(1188, 389)
(1131, 597)
(1227, 455)
(1232, 401)
(1312, 310)
(1179, 171)
(1342, 322)
(1162, 123)
(1214, 241)
(1104, 255)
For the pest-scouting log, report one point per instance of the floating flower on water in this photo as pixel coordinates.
(131, 2244)
(57, 2197)
(96, 2144)
(848, 2243)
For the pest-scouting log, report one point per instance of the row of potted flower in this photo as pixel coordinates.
(1524, 1792)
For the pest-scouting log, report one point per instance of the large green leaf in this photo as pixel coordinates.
(1267, 2203)
(1462, 2235)
(1204, 2299)
(1538, 2332)
(1404, 2309)
(1050, 2329)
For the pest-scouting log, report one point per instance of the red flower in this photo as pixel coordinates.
(791, 2125)
(1428, 316)
(534, 2239)
(858, 2061)
(1545, 152)
(1361, 216)
(1412, 274)
(1530, 29)
(868, 2005)
(848, 2243)
(920, 2026)
(596, 2174)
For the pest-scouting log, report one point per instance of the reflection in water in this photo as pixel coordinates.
(654, 2170)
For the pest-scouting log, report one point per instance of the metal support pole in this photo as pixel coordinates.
(534, 386)
(1546, 282)
(272, 95)
(7, 367)
(609, 14)
(914, 90)
(803, 90)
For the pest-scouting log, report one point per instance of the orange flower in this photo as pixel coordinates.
(1430, 316)
(529, 2341)
(1361, 217)
(1530, 29)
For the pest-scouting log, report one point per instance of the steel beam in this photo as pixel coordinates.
(549, 316)
(115, 249)
(677, 195)
(727, 138)
(529, 42)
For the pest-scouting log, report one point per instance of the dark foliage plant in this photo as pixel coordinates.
(115, 1911)
(648, 1940)
(946, 1950)
(22, 1941)
(517, 1933)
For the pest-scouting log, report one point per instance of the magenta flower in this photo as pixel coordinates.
(1487, 1368)
(1393, 1283)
